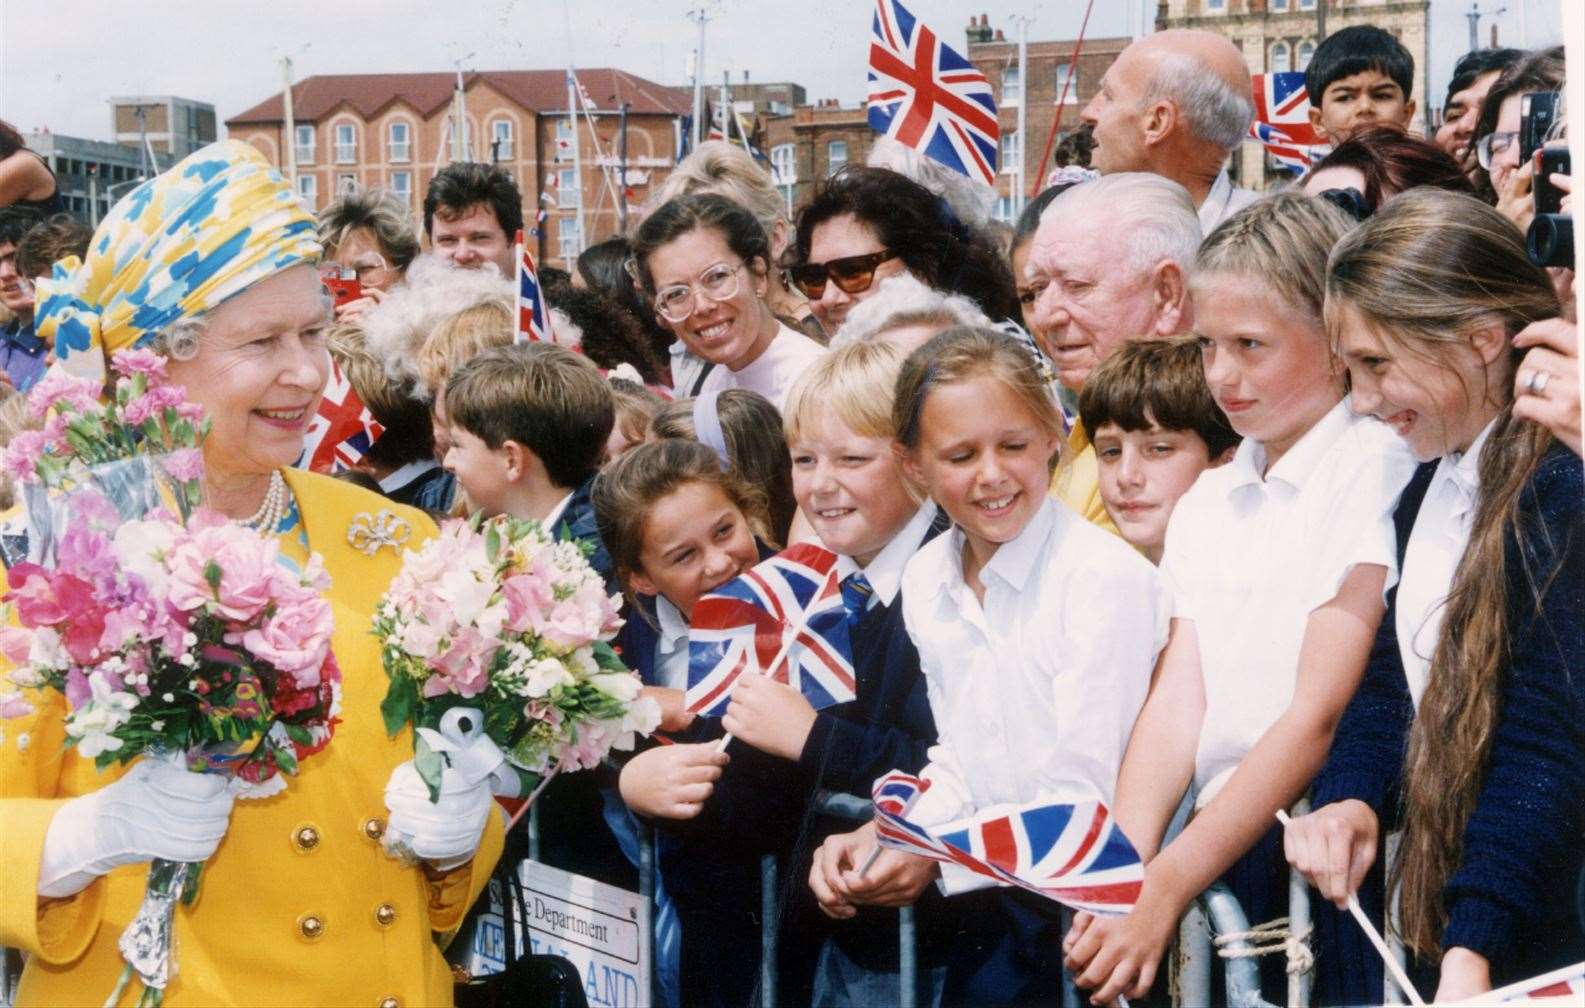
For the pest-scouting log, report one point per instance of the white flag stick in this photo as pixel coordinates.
(1398, 975)
(781, 656)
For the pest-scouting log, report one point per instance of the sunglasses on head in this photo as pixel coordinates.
(851, 274)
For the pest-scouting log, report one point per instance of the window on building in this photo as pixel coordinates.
(1012, 151)
(1067, 84)
(1012, 85)
(784, 172)
(836, 156)
(346, 184)
(399, 142)
(1279, 5)
(563, 140)
(308, 189)
(304, 144)
(501, 140)
(402, 185)
(1216, 5)
(1307, 4)
(1306, 53)
(569, 237)
(568, 193)
(1281, 57)
(1003, 210)
(346, 143)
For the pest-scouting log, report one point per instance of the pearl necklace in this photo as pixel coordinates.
(276, 503)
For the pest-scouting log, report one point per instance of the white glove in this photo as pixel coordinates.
(157, 810)
(446, 833)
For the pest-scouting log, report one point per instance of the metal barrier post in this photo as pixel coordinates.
(646, 924)
(1240, 971)
(767, 931)
(1299, 927)
(907, 960)
(533, 832)
(1192, 982)
(1390, 994)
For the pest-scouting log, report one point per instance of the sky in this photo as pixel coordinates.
(61, 60)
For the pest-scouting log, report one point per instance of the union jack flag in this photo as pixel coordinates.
(792, 600)
(1282, 121)
(533, 318)
(927, 97)
(342, 430)
(1069, 852)
(1566, 984)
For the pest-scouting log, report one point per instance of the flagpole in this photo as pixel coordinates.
(781, 656)
(577, 160)
(698, 75)
(1056, 120)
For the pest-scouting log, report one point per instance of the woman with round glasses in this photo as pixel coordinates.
(704, 262)
(368, 237)
(1497, 129)
(866, 224)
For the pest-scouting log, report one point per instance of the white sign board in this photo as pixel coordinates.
(601, 929)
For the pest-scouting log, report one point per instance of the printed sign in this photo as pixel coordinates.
(599, 928)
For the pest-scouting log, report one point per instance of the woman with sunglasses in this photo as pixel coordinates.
(865, 224)
(704, 262)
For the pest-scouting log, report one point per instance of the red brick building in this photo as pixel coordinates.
(396, 131)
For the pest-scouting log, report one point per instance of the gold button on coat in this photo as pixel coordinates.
(384, 914)
(311, 926)
(305, 838)
(390, 1002)
(373, 828)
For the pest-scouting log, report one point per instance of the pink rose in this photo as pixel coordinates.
(463, 664)
(296, 639)
(241, 561)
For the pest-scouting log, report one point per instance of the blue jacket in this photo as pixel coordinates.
(1512, 898)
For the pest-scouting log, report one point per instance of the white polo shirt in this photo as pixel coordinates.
(1035, 692)
(1441, 532)
(1249, 556)
(771, 374)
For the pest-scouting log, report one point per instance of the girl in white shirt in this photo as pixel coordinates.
(1277, 562)
(1036, 633)
(1431, 353)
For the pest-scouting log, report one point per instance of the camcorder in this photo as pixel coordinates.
(1550, 240)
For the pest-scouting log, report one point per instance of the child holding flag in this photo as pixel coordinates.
(1491, 549)
(1277, 562)
(1036, 633)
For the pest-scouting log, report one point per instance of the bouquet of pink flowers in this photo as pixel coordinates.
(170, 631)
(496, 641)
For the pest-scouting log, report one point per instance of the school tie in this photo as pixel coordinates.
(856, 594)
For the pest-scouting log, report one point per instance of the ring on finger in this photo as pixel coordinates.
(1536, 382)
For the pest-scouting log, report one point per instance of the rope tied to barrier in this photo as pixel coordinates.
(1266, 939)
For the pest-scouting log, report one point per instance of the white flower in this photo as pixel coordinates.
(622, 686)
(46, 651)
(546, 674)
(27, 676)
(464, 594)
(94, 723)
(140, 545)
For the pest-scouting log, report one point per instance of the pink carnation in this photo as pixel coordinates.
(23, 453)
(185, 464)
(58, 389)
(138, 361)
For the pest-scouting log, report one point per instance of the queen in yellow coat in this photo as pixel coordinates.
(298, 904)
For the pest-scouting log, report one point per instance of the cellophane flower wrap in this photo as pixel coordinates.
(171, 632)
(493, 616)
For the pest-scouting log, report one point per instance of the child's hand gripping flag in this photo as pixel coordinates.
(783, 618)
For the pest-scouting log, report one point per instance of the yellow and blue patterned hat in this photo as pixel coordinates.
(212, 225)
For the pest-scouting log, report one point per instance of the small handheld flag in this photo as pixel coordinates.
(1071, 852)
(1282, 121)
(533, 319)
(1564, 986)
(784, 617)
(927, 97)
(342, 430)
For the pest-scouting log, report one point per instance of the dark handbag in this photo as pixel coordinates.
(528, 981)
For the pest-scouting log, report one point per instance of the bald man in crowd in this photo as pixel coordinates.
(1111, 261)
(1177, 104)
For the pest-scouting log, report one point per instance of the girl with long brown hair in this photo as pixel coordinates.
(1484, 631)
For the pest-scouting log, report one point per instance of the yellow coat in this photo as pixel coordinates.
(1077, 482)
(298, 905)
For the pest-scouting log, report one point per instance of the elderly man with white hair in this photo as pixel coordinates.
(1110, 262)
(1176, 103)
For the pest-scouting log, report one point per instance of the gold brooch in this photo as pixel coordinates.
(368, 533)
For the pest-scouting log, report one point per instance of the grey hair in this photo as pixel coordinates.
(383, 212)
(179, 340)
(903, 300)
(1214, 111)
(1154, 214)
(432, 292)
